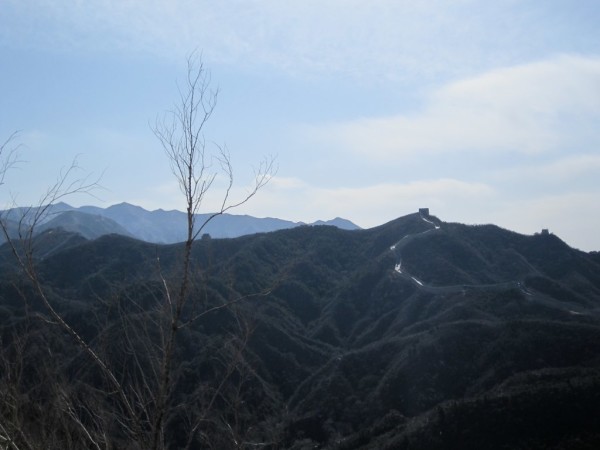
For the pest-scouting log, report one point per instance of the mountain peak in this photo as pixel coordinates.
(125, 205)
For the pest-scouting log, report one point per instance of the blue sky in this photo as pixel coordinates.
(485, 112)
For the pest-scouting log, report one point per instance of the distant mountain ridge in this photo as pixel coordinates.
(158, 226)
(90, 226)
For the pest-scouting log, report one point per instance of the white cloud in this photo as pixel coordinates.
(567, 169)
(286, 183)
(533, 108)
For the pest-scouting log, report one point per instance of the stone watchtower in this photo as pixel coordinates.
(424, 212)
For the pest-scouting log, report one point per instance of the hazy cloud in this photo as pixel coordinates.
(571, 216)
(377, 39)
(367, 205)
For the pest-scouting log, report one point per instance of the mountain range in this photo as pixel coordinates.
(159, 226)
(417, 334)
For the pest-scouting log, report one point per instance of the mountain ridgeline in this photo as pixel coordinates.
(417, 334)
(159, 226)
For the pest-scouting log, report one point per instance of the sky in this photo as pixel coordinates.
(484, 112)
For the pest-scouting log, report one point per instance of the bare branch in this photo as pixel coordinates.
(9, 155)
(228, 304)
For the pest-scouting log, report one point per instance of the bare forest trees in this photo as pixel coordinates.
(121, 390)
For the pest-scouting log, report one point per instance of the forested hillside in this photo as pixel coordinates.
(417, 334)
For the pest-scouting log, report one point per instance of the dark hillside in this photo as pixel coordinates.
(417, 334)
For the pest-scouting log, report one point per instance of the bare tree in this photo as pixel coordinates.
(135, 395)
(192, 163)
